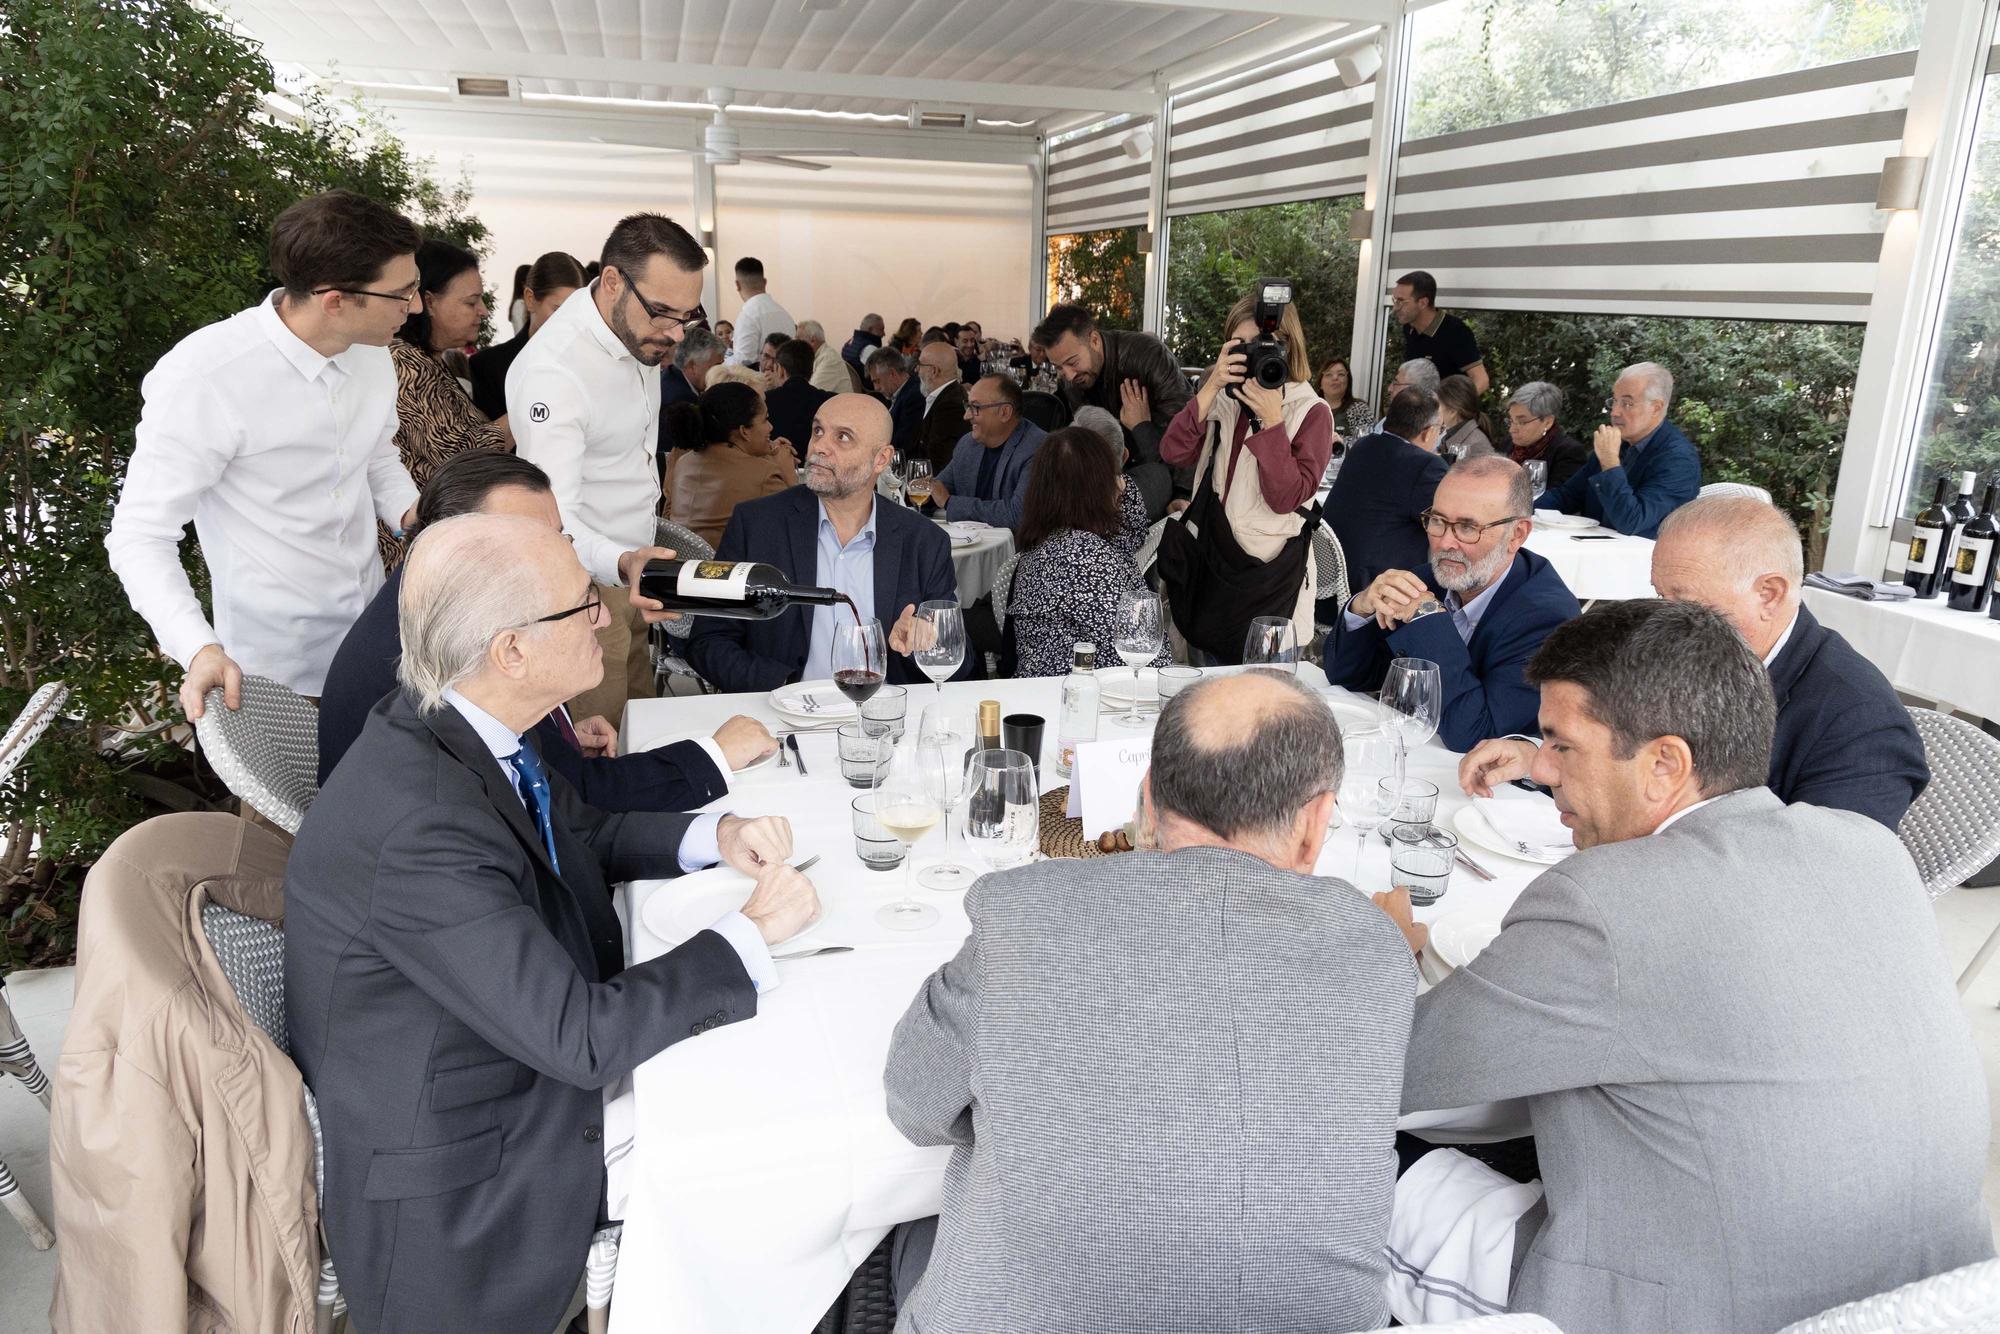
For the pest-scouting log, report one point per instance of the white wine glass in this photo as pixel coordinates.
(1272, 641)
(909, 802)
(1003, 812)
(860, 659)
(1412, 699)
(896, 474)
(949, 728)
(917, 481)
(941, 635)
(1371, 785)
(1138, 633)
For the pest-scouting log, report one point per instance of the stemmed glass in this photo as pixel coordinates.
(941, 637)
(897, 472)
(860, 659)
(1003, 812)
(1538, 475)
(950, 730)
(917, 485)
(909, 801)
(1272, 641)
(1412, 701)
(1371, 783)
(1138, 633)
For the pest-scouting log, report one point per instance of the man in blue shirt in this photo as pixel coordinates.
(988, 473)
(1643, 469)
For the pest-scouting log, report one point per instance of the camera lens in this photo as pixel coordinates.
(1271, 371)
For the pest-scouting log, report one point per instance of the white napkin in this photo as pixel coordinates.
(1451, 1238)
(829, 702)
(968, 526)
(1534, 827)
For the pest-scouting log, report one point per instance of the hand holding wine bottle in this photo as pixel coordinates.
(631, 566)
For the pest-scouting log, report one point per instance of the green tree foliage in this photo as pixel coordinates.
(141, 166)
(1101, 271)
(1216, 259)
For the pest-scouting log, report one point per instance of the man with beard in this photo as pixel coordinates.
(584, 397)
(830, 532)
(1480, 614)
(1132, 376)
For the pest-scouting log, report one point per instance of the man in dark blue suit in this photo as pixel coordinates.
(832, 532)
(683, 378)
(1843, 740)
(889, 372)
(793, 398)
(1480, 613)
(679, 777)
(1385, 482)
(1642, 468)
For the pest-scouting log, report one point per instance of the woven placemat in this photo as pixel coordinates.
(1062, 835)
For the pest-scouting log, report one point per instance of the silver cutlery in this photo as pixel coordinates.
(792, 739)
(808, 954)
(1473, 866)
(808, 863)
(783, 763)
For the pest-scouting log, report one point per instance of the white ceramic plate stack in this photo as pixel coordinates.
(1456, 940)
(813, 702)
(1557, 519)
(1533, 830)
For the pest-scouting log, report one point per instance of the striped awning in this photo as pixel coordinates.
(1753, 199)
(1094, 183)
(1287, 132)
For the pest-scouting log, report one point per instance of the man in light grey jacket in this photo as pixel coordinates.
(1754, 1095)
(1170, 1077)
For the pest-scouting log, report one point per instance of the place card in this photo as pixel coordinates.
(1104, 786)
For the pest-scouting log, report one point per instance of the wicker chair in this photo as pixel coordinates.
(1331, 565)
(266, 752)
(670, 637)
(1487, 1324)
(1150, 548)
(1961, 1301)
(1003, 588)
(1735, 489)
(1953, 829)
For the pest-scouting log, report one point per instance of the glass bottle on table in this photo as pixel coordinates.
(1078, 721)
(1140, 633)
(909, 802)
(941, 640)
(1930, 540)
(860, 659)
(1972, 559)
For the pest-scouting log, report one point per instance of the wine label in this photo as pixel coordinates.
(718, 580)
(1969, 562)
(1923, 557)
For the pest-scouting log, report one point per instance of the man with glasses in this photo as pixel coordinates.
(1642, 468)
(988, 473)
(1479, 613)
(1130, 375)
(274, 432)
(584, 398)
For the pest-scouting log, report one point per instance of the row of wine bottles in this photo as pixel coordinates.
(1951, 550)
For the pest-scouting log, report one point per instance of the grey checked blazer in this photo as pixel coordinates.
(1754, 1094)
(1171, 1081)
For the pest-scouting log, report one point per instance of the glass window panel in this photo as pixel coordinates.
(1102, 271)
(1215, 258)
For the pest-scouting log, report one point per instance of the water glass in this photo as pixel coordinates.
(1272, 642)
(1417, 806)
(864, 754)
(1371, 783)
(885, 711)
(1003, 812)
(1420, 862)
(909, 802)
(1538, 475)
(1173, 680)
(878, 849)
(951, 730)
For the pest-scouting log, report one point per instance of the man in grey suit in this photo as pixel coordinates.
(1754, 1095)
(454, 973)
(1170, 1078)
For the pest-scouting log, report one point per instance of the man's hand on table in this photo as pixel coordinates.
(744, 741)
(1396, 903)
(1501, 760)
(783, 904)
(597, 736)
(752, 845)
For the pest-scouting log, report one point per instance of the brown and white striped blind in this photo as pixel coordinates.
(1287, 132)
(1753, 199)
(1094, 184)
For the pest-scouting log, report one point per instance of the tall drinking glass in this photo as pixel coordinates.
(1139, 632)
(1371, 784)
(908, 803)
(1003, 812)
(917, 480)
(1538, 475)
(1273, 642)
(860, 659)
(950, 729)
(1413, 699)
(940, 640)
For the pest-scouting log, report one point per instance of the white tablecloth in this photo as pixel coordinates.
(1924, 648)
(977, 565)
(1616, 568)
(764, 1167)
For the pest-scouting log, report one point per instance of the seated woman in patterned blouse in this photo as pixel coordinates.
(1080, 525)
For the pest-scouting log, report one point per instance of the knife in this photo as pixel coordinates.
(793, 741)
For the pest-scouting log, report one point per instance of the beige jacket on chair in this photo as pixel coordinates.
(178, 1142)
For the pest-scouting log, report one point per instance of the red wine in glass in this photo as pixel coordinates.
(858, 684)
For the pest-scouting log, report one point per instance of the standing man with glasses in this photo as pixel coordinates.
(584, 398)
(1641, 467)
(274, 432)
(1480, 613)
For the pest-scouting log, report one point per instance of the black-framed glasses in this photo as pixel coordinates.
(406, 297)
(665, 315)
(591, 602)
(1465, 530)
(974, 409)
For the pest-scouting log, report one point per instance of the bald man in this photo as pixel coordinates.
(830, 532)
(944, 405)
(1844, 740)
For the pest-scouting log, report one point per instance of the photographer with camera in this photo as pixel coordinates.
(1259, 438)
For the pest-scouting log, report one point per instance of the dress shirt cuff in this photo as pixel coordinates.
(699, 849)
(1350, 620)
(749, 945)
(715, 755)
(599, 555)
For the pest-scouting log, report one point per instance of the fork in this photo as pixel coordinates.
(783, 763)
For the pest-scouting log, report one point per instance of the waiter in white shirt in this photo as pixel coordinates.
(584, 400)
(760, 317)
(274, 431)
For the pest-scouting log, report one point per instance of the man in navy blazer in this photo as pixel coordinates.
(1480, 614)
(889, 371)
(1843, 739)
(679, 777)
(1385, 482)
(1642, 468)
(832, 532)
(988, 473)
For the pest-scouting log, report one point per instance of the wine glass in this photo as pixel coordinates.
(1371, 783)
(896, 473)
(941, 632)
(860, 659)
(1138, 634)
(917, 483)
(1538, 475)
(1003, 811)
(1413, 699)
(1272, 642)
(909, 801)
(950, 729)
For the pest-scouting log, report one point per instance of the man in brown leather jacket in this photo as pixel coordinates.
(1130, 375)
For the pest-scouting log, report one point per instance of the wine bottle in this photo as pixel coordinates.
(1972, 558)
(738, 590)
(1923, 569)
(984, 807)
(1961, 509)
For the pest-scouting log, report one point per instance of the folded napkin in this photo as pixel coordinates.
(829, 702)
(1860, 586)
(1534, 827)
(968, 526)
(1451, 1239)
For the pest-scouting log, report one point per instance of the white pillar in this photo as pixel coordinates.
(1038, 296)
(1385, 139)
(1904, 309)
(1154, 317)
(704, 212)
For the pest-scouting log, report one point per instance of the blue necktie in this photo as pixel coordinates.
(533, 782)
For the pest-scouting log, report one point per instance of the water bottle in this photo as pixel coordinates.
(1079, 708)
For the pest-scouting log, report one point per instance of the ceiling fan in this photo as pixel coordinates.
(723, 146)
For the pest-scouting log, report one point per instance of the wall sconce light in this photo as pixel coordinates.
(1361, 224)
(1138, 145)
(1902, 183)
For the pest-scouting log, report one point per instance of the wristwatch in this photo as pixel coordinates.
(1427, 607)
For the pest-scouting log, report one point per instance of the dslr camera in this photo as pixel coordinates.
(1265, 360)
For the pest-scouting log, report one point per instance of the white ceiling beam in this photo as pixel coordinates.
(1323, 11)
(324, 57)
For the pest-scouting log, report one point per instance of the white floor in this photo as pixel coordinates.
(41, 1002)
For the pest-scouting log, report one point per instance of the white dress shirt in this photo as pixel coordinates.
(588, 414)
(829, 371)
(759, 319)
(698, 848)
(283, 459)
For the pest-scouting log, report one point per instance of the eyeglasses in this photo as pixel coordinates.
(406, 296)
(665, 315)
(591, 602)
(974, 409)
(1624, 402)
(1465, 530)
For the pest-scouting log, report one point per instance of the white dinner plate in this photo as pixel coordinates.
(1458, 937)
(683, 907)
(1472, 826)
(1116, 686)
(1351, 714)
(813, 702)
(1557, 519)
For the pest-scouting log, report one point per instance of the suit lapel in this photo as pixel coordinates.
(1796, 655)
(456, 735)
(888, 565)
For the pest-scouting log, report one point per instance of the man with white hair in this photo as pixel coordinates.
(455, 980)
(1642, 468)
(829, 372)
(1843, 740)
(867, 336)
(1480, 612)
